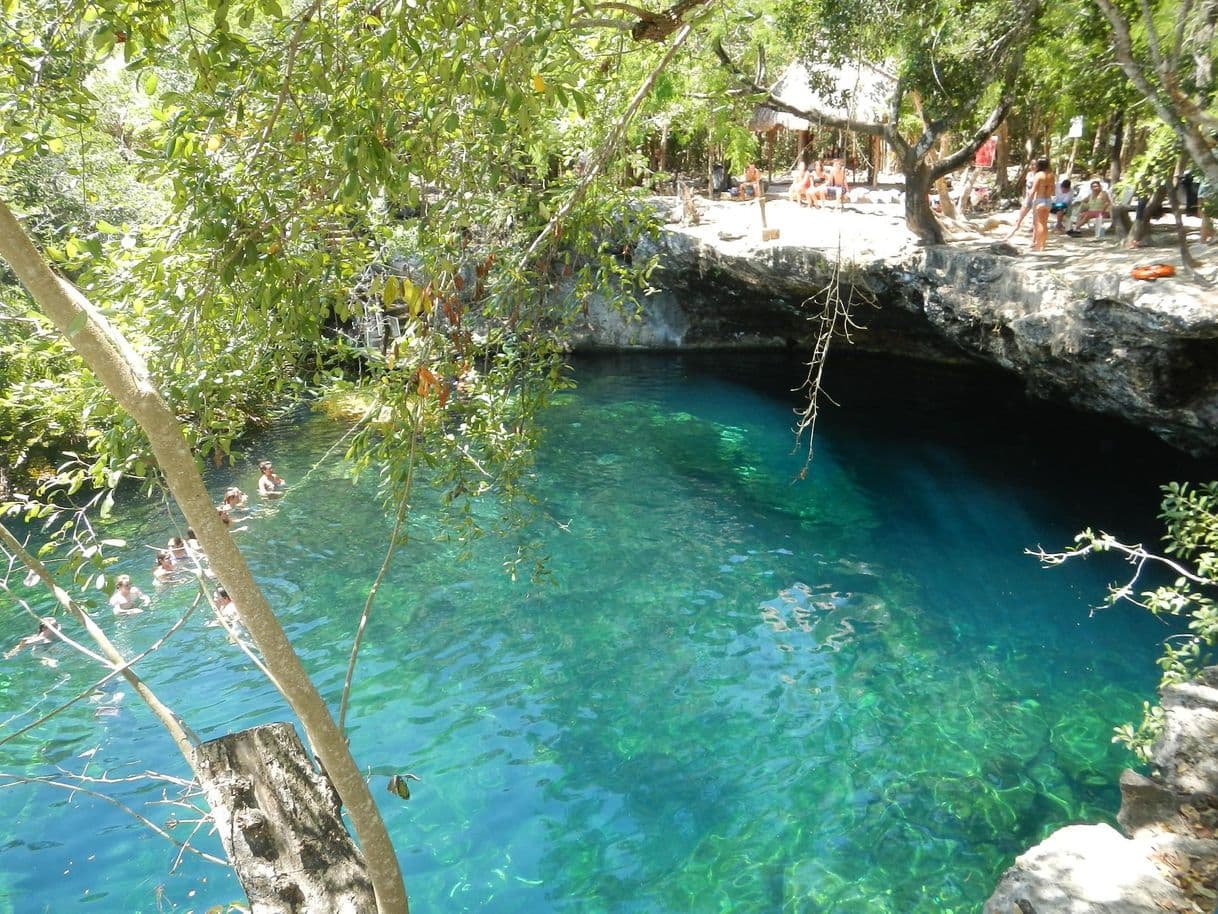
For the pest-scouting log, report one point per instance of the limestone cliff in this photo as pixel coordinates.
(1073, 324)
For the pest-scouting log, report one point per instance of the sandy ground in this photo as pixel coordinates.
(866, 232)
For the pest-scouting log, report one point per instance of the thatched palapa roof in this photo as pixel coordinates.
(861, 92)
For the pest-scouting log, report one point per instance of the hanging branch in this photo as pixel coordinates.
(606, 148)
(834, 320)
(14, 779)
(394, 539)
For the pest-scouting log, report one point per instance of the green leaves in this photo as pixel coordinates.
(1190, 513)
(77, 325)
(399, 786)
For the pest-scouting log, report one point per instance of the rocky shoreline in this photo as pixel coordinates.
(1167, 858)
(1071, 323)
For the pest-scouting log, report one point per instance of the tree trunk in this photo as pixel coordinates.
(1002, 161)
(279, 820)
(919, 217)
(1131, 143)
(1118, 141)
(123, 372)
(1152, 210)
(1101, 133)
(1189, 262)
(946, 206)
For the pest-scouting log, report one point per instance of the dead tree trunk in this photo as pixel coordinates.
(964, 198)
(280, 822)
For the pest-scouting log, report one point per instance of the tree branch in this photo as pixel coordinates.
(1104, 542)
(952, 162)
(171, 722)
(120, 671)
(867, 128)
(1173, 108)
(143, 820)
(286, 87)
(394, 537)
(608, 144)
(126, 377)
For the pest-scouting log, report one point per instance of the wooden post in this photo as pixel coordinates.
(767, 233)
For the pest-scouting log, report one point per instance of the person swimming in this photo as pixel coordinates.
(270, 483)
(48, 633)
(163, 571)
(178, 550)
(226, 518)
(235, 499)
(225, 605)
(127, 599)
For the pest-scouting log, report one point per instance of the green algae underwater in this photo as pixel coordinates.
(735, 692)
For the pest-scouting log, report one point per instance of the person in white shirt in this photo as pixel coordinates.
(1062, 200)
(127, 599)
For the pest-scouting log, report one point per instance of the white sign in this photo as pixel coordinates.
(1076, 128)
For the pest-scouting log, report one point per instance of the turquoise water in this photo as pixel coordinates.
(738, 693)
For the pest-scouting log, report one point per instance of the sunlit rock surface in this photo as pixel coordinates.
(1086, 869)
(1169, 859)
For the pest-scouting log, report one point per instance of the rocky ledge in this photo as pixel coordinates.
(1167, 858)
(1071, 322)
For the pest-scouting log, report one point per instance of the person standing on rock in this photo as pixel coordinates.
(1041, 199)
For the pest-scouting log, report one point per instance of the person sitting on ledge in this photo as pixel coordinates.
(815, 185)
(1062, 201)
(751, 186)
(798, 180)
(1097, 206)
(837, 188)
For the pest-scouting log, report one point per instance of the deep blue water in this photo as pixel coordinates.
(739, 692)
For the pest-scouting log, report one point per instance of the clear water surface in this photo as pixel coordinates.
(740, 693)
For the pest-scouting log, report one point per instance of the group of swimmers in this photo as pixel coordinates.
(813, 186)
(181, 558)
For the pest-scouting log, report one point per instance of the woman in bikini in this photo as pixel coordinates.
(1040, 198)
